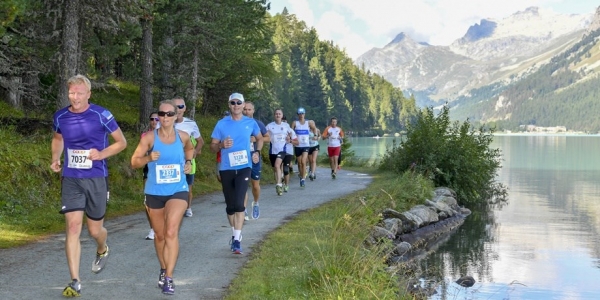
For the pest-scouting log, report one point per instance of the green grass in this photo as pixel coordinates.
(321, 254)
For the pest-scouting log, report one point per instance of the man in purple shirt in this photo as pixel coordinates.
(81, 131)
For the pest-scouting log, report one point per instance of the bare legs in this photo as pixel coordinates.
(74, 221)
(166, 222)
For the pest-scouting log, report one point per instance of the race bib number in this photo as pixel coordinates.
(78, 159)
(168, 173)
(280, 138)
(238, 158)
(303, 139)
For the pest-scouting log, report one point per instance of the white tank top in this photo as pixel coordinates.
(303, 132)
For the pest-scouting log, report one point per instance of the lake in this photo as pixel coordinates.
(544, 243)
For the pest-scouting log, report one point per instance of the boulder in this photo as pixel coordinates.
(425, 215)
(392, 225)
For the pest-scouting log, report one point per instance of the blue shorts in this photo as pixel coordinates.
(255, 173)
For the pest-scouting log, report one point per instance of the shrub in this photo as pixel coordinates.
(451, 154)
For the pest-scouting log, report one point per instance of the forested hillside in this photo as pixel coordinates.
(563, 92)
(201, 50)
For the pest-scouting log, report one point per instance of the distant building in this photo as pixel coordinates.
(540, 129)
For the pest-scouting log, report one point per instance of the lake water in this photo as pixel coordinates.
(545, 242)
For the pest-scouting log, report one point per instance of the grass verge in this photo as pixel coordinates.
(321, 253)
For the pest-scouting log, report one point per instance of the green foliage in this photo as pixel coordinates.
(451, 154)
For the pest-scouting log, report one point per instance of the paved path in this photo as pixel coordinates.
(205, 267)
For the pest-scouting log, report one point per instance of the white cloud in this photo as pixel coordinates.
(302, 9)
(335, 27)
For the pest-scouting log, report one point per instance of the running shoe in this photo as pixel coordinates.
(231, 243)
(237, 247)
(161, 278)
(278, 189)
(246, 215)
(169, 287)
(302, 182)
(73, 289)
(286, 188)
(188, 212)
(333, 175)
(100, 261)
(255, 210)
(315, 175)
(150, 235)
(310, 176)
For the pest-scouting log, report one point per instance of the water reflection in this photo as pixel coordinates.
(545, 243)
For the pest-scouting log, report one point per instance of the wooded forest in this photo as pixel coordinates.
(202, 50)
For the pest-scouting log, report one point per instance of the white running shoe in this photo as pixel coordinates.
(150, 235)
(188, 212)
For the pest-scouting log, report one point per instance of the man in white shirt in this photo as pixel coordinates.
(334, 136)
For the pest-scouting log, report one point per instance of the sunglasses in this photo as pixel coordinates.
(153, 119)
(236, 102)
(166, 113)
(180, 106)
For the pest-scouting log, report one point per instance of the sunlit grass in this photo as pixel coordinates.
(10, 237)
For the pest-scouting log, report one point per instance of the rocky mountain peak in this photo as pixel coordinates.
(595, 22)
(530, 12)
(480, 31)
(401, 38)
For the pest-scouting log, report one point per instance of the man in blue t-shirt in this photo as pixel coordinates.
(81, 131)
(231, 137)
(256, 167)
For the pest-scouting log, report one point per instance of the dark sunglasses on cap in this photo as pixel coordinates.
(239, 102)
(166, 113)
(180, 106)
(153, 119)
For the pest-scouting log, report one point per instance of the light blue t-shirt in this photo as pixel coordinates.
(239, 155)
(165, 175)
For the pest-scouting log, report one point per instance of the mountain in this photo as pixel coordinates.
(494, 57)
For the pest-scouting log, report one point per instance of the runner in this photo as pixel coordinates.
(81, 130)
(303, 127)
(313, 153)
(281, 134)
(256, 167)
(171, 153)
(334, 136)
(191, 128)
(231, 136)
(287, 161)
(153, 124)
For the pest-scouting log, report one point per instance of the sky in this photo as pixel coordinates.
(360, 25)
